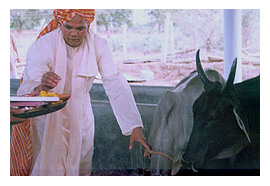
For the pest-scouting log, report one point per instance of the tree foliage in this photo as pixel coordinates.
(25, 19)
(203, 28)
(158, 16)
(196, 28)
(251, 29)
(114, 18)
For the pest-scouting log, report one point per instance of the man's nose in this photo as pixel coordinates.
(73, 32)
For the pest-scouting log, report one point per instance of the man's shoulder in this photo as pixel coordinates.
(50, 37)
(46, 42)
(98, 41)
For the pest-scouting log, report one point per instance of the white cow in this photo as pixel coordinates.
(173, 122)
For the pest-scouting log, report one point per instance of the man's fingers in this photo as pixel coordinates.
(147, 149)
(49, 80)
(52, 75)
(147, 154)
(145, 145)
(131, 143)
(48, 83)
(141, 141)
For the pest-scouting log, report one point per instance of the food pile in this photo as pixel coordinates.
(43, 93)
(50, 94)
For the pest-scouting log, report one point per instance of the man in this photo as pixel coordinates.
(65, 58)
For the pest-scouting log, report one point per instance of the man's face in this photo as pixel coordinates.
(74, 31)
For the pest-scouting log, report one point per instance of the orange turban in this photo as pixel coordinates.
(62, 16)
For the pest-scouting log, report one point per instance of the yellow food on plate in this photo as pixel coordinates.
(62, 97)
(48, 94)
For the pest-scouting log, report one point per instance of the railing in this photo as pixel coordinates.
(111, 147)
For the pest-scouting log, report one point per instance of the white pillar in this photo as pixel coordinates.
(232, 42)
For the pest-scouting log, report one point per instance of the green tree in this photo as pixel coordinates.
(251, 29)
(25, 19)
(114, 17)
(158, 16)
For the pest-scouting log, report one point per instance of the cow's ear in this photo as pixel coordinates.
(241, 123)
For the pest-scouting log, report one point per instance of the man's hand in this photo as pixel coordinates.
(137, 135)
(49, 80)
(15, 119)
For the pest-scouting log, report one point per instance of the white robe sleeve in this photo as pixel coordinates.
(117, 89)
(38, 61)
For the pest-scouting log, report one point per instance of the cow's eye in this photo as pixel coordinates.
(213, 117)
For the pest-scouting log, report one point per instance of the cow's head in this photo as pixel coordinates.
(220, 126)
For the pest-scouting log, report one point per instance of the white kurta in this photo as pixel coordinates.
(63, 141)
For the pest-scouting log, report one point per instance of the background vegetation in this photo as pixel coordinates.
(143, 43)
(192, 28)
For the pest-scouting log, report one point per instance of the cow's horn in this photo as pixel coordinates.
(200, 70)
(231, 77)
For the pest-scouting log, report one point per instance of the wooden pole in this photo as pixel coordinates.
(125, 40)
(166, 38)
(171, 39)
